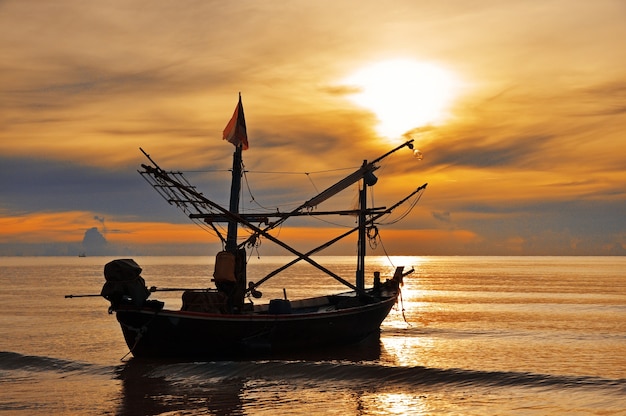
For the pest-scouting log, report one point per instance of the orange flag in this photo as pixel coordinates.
(235, 131)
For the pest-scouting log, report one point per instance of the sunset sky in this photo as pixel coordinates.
(519, 109)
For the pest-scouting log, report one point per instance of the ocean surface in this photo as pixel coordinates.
(471, 336)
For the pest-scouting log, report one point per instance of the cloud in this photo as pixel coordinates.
(475, 153)
(94, 242)
(30, 184)
(442, 216)
(536, 136)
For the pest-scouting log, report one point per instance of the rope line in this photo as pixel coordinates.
(140, 332)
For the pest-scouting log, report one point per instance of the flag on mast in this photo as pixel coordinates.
(235, 131)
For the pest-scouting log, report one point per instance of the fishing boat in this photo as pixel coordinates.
(226, 321)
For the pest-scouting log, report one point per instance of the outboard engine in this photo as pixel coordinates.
(124, 284)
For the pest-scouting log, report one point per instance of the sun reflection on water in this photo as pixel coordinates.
(395, 404)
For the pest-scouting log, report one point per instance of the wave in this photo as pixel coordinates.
(33, 363)
(363, 374)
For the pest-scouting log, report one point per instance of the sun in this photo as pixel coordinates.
(403, 94)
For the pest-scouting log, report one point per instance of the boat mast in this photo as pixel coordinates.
(235, 190)
(368, 180)
(235, 133)
(360, 267)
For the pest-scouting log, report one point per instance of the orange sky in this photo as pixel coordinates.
(518, 109)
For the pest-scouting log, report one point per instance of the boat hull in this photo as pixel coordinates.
(168, 333)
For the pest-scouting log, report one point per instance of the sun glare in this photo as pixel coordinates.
(403, 94)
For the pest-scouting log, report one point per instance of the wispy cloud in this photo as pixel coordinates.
(535, 135)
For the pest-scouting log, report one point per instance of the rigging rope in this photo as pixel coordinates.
(401, 305)
(407, 212)
(253, 198)
(312, 183)
(140, 332)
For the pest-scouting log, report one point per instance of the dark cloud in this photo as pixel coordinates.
(479, 153)
(341, 90)
(606, 99)
(442, 216)
(581, 217)
(30, 185)
(94, 242)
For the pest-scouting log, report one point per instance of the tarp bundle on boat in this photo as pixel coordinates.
(204, 301)
(124, 283)
(225, 267)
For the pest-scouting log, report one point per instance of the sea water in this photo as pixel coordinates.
(469, 336)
